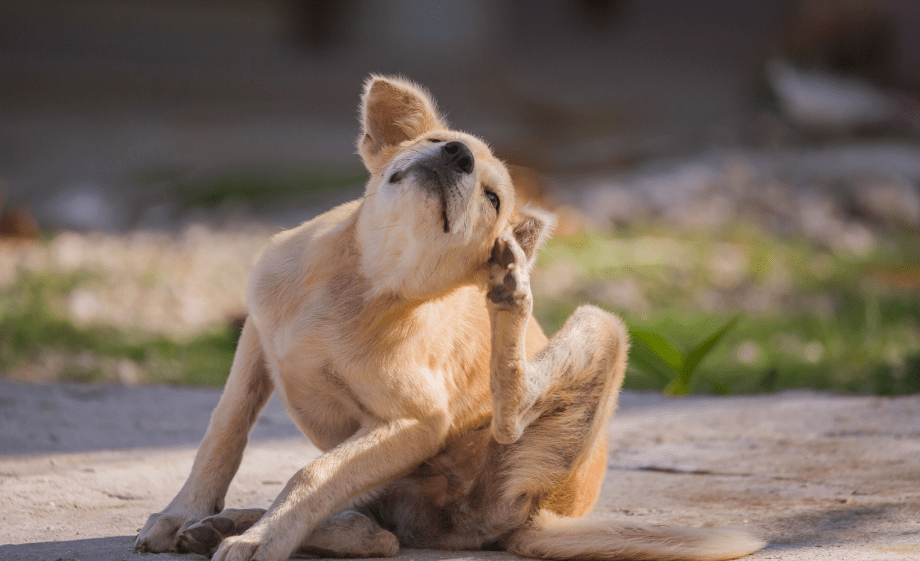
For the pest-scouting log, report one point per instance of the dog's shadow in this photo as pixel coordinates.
(825, 527)
(122, 547)
(114, 547)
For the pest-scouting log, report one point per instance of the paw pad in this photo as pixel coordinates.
(508, 282)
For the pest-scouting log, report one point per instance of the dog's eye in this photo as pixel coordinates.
(435, 140)
(493, 198)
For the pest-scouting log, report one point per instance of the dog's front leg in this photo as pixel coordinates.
(365, 461)
(247, 390)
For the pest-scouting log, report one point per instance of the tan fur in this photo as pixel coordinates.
(553, 537)
(397, 330)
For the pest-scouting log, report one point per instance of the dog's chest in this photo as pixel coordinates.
(342, 362)
(322, 404)
(331, 390)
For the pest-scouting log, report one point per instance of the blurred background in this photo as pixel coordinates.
(739, 180)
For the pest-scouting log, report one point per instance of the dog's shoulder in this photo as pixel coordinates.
(303, 257)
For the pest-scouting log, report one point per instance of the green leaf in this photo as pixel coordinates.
(681, 383)
(698, 353)
(661, 347)
(647, 361)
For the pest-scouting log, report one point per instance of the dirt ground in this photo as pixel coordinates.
(820, 476)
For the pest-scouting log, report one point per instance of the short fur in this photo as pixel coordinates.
(397, 330)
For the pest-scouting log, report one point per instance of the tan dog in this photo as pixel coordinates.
(397, 330)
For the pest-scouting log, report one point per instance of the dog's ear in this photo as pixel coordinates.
(393, 110)
(531, 227)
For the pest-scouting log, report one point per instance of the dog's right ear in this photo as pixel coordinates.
(393, 110)
(531, 227)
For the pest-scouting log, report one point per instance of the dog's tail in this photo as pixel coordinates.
(549, 536)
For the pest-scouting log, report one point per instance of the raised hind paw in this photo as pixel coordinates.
(509, 279)
(205, 536)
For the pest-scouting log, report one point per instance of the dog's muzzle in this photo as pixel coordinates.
(440, 173)
(457, 157)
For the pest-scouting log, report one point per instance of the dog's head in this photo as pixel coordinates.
(437, 198)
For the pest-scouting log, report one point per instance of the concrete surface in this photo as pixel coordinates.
(821, 476)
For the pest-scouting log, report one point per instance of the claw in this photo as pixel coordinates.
(182, 545)
(223, 525)
(204, 534)
(203, 542)
(502, 254)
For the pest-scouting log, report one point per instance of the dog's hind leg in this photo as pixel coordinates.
(551, 414)
(347, 534)
(247, 390)
(582, 365)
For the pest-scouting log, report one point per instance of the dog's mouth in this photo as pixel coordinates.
(433, 183)
(444, 218)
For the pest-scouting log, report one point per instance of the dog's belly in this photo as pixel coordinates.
(450, 476)
(454, 499)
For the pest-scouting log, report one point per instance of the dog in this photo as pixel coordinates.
(397, 330)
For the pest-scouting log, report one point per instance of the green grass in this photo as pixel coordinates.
(32, 323)
(832, 322)
(807, 317)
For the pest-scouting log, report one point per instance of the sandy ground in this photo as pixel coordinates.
(821, 476)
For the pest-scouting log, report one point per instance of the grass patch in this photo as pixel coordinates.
(811, 318)
(33, 325)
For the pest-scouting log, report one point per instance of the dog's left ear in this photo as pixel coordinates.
(531, 227)
(393, 110)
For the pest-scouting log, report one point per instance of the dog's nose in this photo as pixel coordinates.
(457, 155)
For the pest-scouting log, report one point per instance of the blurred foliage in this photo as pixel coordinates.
(34, 329)
(813, 318)
(252, 187)
(654, 355)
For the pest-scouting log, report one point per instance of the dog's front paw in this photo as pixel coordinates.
(249, 547)
(159, 533)
(509, 279)
(205, 536)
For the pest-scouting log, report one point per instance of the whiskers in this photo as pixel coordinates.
(385, 227)
(436, 265)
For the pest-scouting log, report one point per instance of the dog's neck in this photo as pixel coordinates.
(403, 264)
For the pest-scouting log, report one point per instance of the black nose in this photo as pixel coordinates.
(457, 155)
